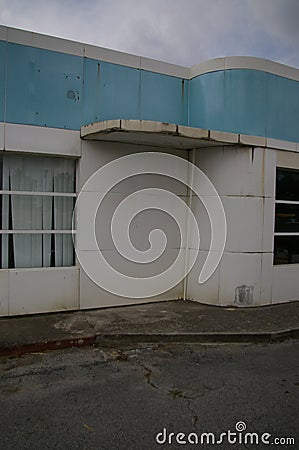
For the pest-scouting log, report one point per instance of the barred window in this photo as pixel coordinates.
(286, 236)
(37, 196)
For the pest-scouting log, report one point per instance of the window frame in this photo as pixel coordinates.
(73, 195)
(283, 202)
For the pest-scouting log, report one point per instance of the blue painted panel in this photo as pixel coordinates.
(91, 91)
(245, 102)
(44, 88)
(282, 108)
(110, 91)
(207, 101)
(2, 79)
(163, 98)
(231, 100)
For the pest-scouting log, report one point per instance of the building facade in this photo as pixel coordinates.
(67, 109)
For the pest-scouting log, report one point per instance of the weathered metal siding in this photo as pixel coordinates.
(246, 101)
(59, 90)
(282, 110)
(163, 98)
(51, 89)
(110, 91)
(2, 79)
(44, 88)
(113, 91)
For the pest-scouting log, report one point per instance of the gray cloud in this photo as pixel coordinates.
(172, 30)
(279, 17)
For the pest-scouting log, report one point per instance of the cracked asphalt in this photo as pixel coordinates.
(120, 398)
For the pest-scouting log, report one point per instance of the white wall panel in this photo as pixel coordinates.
(244, 216)
(285, 283)
(269, 173)
(43, 290)
(151, 219)
(50, 141)
(266, 279)
(207, 292)
(268, 224)
(240, 279)
(94, 156)
(233, 170)
(204, 226)
(2, 134)
(91, 296)
(4, 307)
(97, 154)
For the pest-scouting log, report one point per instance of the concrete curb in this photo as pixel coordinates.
(137, 338)
(199, 338)
(18, 350)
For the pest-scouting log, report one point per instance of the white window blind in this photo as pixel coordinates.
(36, 201)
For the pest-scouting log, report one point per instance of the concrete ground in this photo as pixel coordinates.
(122, 397)
(172, 321)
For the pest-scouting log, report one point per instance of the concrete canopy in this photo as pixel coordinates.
(160, 134)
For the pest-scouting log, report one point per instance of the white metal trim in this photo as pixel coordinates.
(287, 202)
(70, 47)
(39, 193)
(37, 232)
(286, 234)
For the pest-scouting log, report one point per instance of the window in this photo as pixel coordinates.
(37, 196)
(286, 236)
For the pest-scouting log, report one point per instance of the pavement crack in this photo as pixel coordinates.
(194, 416)
(91, 324)
(148, 377)
(174, 393)
(206, 390)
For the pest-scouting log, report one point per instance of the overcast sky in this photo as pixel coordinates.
(179, 31)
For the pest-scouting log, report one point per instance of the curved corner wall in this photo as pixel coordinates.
(246, 101)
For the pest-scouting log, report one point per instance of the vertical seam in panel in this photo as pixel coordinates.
(263, 221)
(82, 93)
(4, 146)
(78, 287)
(266, 84)
(189, 193)
(188, 103)
(139, 95)
(218, 283)
(8, 293)
(273, 228)
(263, 231)
(5, 91)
